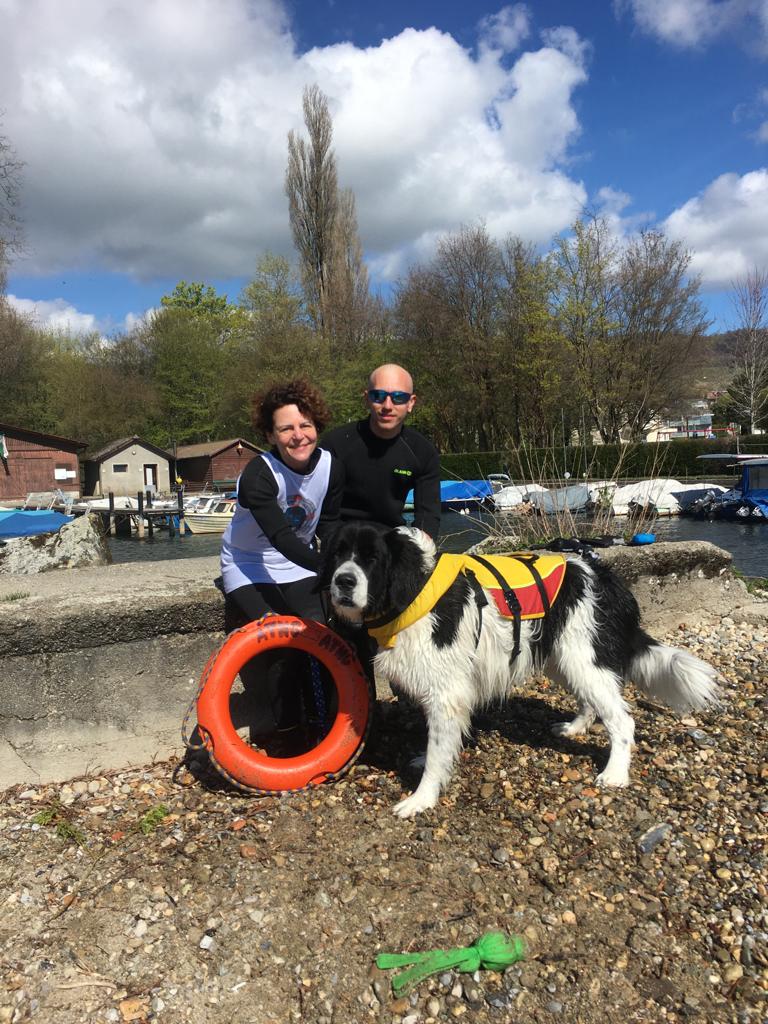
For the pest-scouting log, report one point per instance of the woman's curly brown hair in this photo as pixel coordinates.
(300, 393)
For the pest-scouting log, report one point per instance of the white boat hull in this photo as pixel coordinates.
(208, 522)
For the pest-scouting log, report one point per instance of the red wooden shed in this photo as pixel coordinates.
(215, 465)
(32, 461)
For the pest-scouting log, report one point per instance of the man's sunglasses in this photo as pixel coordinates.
(379, 395)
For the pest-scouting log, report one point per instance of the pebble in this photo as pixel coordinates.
(649, 840)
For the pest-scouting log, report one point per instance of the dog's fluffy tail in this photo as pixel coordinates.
(675, 678)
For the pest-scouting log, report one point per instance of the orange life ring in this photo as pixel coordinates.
(333, 752)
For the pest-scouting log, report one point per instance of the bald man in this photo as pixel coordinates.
(383, 458)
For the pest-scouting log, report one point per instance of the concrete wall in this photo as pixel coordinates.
(97, 666)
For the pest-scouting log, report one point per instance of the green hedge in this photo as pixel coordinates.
(669, 458)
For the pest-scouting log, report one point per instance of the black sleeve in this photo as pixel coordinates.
(426, 495)
(258, 493)
(331, 509)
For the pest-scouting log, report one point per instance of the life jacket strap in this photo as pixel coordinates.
(510, 597)
(528, 560)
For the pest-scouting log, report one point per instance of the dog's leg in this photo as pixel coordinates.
(579, 725)
(599, 689)
(583, 720)
(443, 747)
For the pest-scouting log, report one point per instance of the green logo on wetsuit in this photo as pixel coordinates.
(403, 472)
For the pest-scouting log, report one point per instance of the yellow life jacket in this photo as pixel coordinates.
(533, 579)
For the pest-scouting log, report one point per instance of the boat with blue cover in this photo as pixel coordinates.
(30, 522)
(460, 496)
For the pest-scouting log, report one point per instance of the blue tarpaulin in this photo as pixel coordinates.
(28, 523)
(463, 490)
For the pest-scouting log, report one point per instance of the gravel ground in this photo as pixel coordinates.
(137, 897)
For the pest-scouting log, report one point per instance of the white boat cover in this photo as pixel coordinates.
(514, 494)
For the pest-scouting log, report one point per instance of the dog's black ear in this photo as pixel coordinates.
(328, 547)
(406, 575)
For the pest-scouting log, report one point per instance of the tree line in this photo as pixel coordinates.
(508, 346)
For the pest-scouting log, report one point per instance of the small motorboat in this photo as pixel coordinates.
(747, 501)
(213, 516)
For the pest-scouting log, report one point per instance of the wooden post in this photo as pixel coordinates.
(140, 499)
(150, 517)
(111, 514)
(180, 498)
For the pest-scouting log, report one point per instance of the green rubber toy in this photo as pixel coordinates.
(493, 951)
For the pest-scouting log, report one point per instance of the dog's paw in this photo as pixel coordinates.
(413, 805)
(612, 779)
(567, 729)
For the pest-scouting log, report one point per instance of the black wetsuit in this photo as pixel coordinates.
(379, 473)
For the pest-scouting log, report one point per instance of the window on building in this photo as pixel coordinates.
(120, 467)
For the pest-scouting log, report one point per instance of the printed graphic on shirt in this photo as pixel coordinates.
(298, 511)
(403, 472)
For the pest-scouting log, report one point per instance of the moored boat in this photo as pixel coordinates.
(213, 517)
(30, 522)
(747, 501)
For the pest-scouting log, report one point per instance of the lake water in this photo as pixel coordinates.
(747, 542)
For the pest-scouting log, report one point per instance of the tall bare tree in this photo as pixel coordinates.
(10, 224)
(660, 328)
(749, 387)
(632, 319)
(349, 308)
(313, 199)
(450, 318)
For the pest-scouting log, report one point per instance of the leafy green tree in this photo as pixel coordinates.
(196, 297)
(24, 354)
(187, 359)
(537, 371)
(94, 395)
(274, 298)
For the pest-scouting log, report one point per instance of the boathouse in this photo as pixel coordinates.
(31, 461)
(215, 465)
(127, 466)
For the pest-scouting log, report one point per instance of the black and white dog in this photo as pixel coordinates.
(458, 657)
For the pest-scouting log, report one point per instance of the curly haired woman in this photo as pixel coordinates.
(286, 498)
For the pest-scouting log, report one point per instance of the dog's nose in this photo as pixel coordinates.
(344, 581)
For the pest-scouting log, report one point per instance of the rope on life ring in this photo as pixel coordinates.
(239, 761)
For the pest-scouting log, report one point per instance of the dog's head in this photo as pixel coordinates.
(369, 572)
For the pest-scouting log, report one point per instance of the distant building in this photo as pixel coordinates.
(214, 465)
(31, 461)
(697, 424)
(127, 466)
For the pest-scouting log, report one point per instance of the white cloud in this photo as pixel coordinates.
(55, 315)
(133, 320)
(692, 23)
(505, 30)
(726, 227)
(154, 134)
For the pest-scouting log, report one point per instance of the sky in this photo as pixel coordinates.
(154, 134)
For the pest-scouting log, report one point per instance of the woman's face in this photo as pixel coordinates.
(294, 435)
